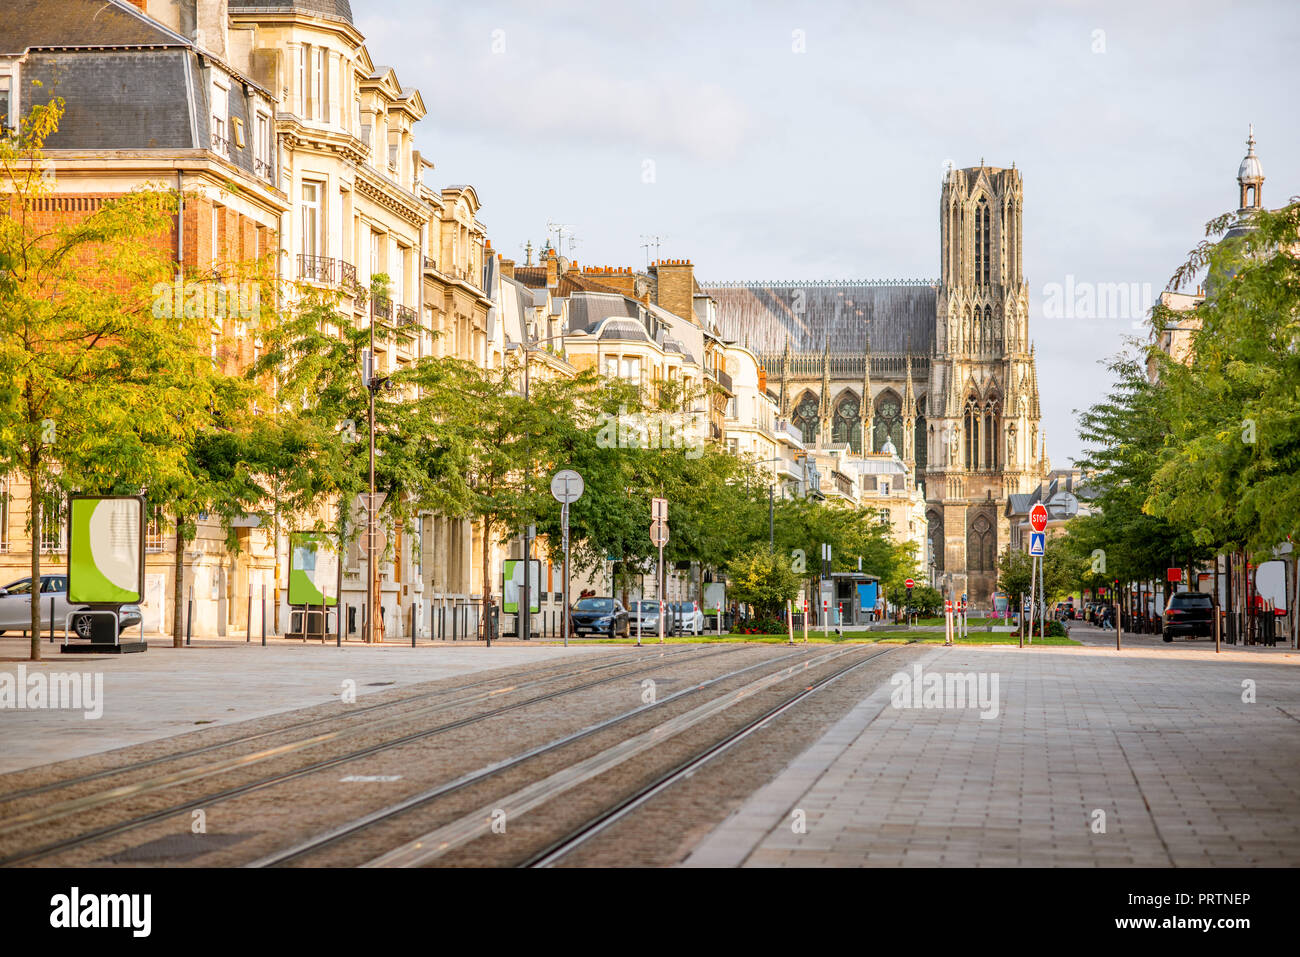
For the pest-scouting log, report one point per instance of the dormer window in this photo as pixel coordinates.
(220, 117)
(8, 102)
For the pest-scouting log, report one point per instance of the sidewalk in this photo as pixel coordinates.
(167, 691)
(1158, 739)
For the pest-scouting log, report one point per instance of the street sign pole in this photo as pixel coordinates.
(1042, 597)
(564, 520)
(567, 487)
(663, 605)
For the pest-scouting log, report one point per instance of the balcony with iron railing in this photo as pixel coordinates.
(381, 309)
(721, 378)
(326, 271)
(430, 263)
(221, 144)
(262, 168)
(405, 316)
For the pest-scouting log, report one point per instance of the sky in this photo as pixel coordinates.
(802, 141)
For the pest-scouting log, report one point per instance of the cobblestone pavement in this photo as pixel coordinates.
(1156, 738)
(168, 691)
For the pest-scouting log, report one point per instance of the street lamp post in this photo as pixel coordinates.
(525, 621)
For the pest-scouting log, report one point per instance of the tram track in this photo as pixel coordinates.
(534, 676)
(643, 663)
(431, 847)
(350, 829)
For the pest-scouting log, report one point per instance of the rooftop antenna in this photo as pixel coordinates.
(647, 242)
(559, 229)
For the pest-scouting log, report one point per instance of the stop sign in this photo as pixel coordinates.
(909, 583)
(1038, 517)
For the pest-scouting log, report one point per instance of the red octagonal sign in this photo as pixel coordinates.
(1038, 517)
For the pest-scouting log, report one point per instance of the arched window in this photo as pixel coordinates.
(972, 428)
(988, 245)
(888, 422)
(922, 447)
(934, 536)
(991, 429)
(981, 209)
(981, 545)
(845, 426)
(805, 416)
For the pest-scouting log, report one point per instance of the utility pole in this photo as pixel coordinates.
(372, 383)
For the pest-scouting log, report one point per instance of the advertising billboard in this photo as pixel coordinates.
(513, 585)
(313, 569)
(106, 549)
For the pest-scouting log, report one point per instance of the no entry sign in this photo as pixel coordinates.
(909, 583)
(1038, 517)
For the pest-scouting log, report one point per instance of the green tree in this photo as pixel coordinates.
(1230, 472)
(763, 579)
(313, 453)
(97, 391)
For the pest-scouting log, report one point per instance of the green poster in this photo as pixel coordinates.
(106, 549)
(513, 585)
(313, 570)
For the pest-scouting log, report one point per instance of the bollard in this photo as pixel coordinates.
(189, 615)
(52, 620)
(261, 600)
(249, 630)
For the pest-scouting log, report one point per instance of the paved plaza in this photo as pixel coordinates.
(1157, 738)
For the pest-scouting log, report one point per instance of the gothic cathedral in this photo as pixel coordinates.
(946, 370)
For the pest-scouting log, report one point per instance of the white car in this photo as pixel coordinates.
(688, 617)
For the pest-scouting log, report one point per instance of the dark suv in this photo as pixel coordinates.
(1189, 614)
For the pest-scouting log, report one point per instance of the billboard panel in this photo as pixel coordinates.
(313, 569)
(513, 585)
(106, 549)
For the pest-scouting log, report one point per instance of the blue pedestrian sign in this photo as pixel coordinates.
(1037, 541)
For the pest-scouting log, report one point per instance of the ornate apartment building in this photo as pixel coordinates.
(292, 145)
(942, 371)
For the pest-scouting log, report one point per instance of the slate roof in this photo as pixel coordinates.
(587, 309)
(25, 24)
(764, 316)
(128, 82)
(629, 329)
(333, 9)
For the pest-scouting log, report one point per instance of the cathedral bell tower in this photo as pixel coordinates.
(982, 432)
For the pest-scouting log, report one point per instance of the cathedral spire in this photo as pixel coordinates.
(866, 409)
(1034, 409)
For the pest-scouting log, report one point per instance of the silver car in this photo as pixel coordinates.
(647, 612)
(16, 610)
(16, 603)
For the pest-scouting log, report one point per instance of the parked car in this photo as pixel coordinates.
(16, 610)
(592, 616)
(648, 613)
(687, 616)
(1189, 614)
